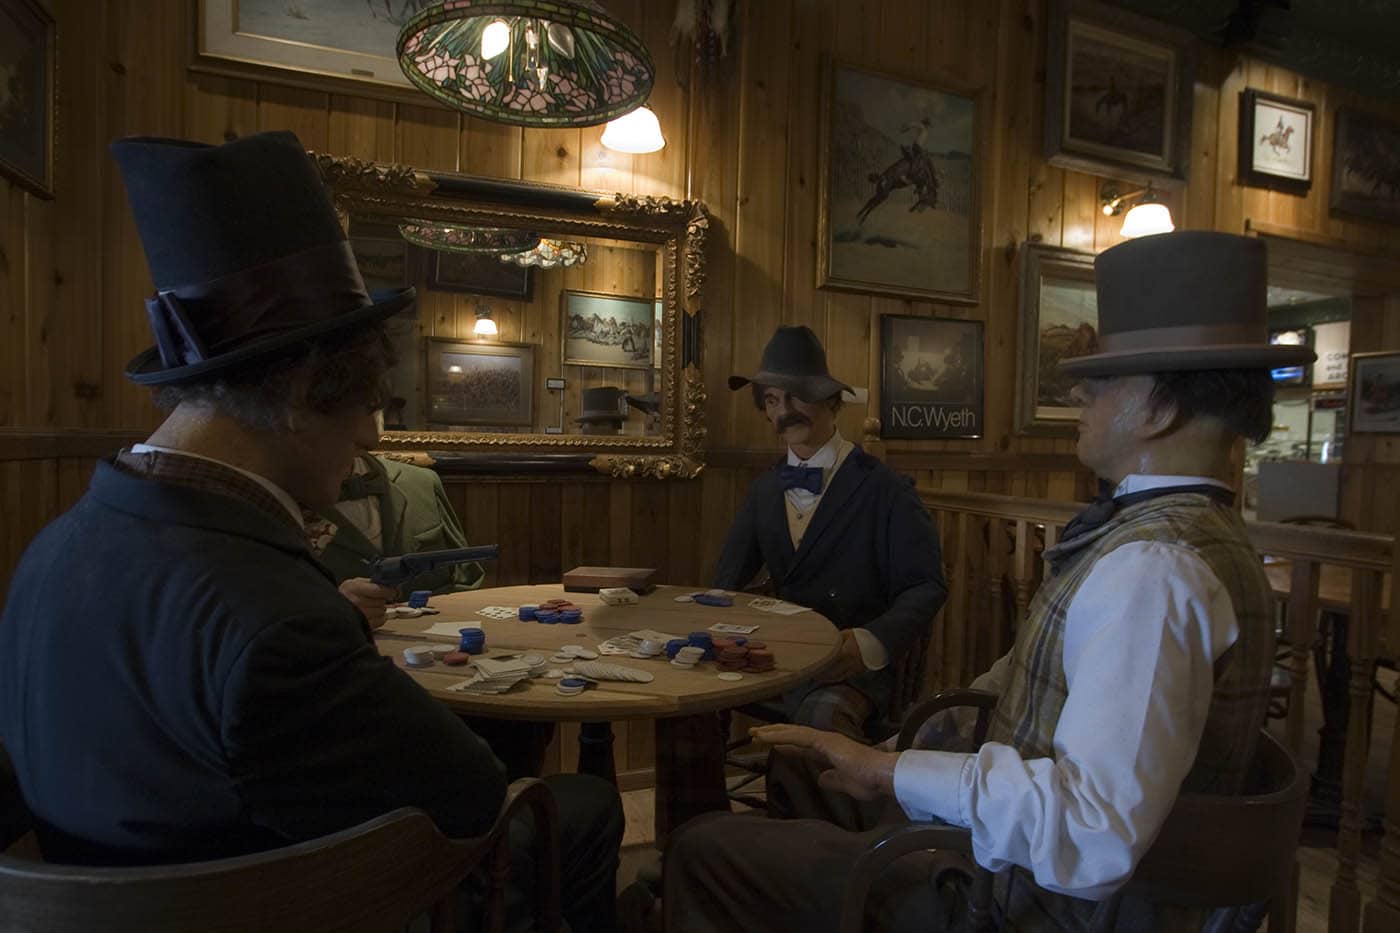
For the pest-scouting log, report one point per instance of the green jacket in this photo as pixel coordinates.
(415, 515)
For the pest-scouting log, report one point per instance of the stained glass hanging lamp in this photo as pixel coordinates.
(550, 254)
(454, 238)
(527, 62)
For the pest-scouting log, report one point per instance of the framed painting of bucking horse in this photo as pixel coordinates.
(899, 168)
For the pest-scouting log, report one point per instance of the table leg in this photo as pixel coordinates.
(595, 751)
(689, 770)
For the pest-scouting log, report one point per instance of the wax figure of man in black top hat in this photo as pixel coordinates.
(838, 532)
(1140, 671)
(230, 699)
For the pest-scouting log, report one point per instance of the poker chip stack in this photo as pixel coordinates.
(473, 640)
(552, 612)
(759, 659)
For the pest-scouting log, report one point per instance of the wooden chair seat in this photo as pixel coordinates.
(371, 878)
(1212, 852)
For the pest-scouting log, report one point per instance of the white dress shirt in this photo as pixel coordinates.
(828, 459)
(278, 493)
(1141, 638)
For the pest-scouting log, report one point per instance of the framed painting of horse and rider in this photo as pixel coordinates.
(1276, 142)
(900, 163)
(1118, 92)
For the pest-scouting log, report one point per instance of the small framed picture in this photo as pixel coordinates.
(480, 383)
(930, 377)
(27, 95)
(1375, 393)
(1118, 90)
(1059, 319)
(1276, 142)
(479, 274)
(1365, 181)
(608, 330)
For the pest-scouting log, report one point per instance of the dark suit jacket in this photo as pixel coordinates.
(179, 680)
(870, 556)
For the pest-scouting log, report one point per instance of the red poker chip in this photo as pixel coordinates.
(456, 658)
(756, 646)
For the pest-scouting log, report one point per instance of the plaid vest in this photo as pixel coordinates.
(1029, 709)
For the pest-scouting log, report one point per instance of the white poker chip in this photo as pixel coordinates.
(578, 651)
(677, 662)
(685, 599)
(567, 691)
(561, 658)
(730, 675)
(442, 651)
(554, 673)
(418, 657)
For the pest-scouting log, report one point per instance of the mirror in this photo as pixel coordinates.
(553, 326)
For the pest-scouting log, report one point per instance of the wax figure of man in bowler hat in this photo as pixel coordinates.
(179, 677)
(837, 531)
(1140, 671)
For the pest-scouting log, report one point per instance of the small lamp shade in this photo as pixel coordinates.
(485, 327)
(637, 132)
(1147, 219)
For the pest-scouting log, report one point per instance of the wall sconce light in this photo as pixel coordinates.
(637, 132)
(1146, 217)
(485, 326)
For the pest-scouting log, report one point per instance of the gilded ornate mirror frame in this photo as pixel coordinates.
(678, 228)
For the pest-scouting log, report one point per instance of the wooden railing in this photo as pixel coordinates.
(992, 548)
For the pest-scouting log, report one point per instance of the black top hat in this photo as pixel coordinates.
(246, 252)
(1179, 301)
(605, 403)
(795, 362)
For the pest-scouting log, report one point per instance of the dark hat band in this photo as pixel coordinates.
(256, 303)
(1198, 335)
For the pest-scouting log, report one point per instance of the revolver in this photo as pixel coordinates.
(394, 571)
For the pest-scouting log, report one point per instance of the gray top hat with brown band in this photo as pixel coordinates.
(1183, 301)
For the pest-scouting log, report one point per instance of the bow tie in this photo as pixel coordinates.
(362, 486)
(795, 477)
(1103, 508)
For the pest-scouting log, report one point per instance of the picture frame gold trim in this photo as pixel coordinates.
(825, 276)
(678, 228)
(41, 184)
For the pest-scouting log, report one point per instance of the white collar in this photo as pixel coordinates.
(1139, 482)
(278, 493)
(824, 458)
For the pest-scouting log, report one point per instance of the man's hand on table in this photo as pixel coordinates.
(852, 768)
(370, 598)
(847, 663)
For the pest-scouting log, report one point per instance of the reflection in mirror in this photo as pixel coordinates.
(519, 332)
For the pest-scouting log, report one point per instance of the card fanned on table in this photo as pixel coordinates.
(593, 579)
(495, 676)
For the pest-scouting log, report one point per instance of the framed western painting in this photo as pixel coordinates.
(27, 95)
(479, 274)
(1366, 166)
(899, 171)
(608, 330)
(1276, 142)
(1118, 91)
(1375, 393)
(1059, 319)
(480, 383)
(930, 377)
(347, 46)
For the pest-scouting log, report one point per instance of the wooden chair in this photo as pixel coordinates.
(1212, 852)
(371, 878)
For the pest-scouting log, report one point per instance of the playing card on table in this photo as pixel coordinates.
(781, 607)
(727, 629)
(498, 613)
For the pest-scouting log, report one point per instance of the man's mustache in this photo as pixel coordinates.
(791, 421)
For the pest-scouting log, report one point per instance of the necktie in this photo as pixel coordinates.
(808, 478)
(1103, 508)
(363, 485)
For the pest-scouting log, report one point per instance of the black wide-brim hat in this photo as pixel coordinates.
(794, 361)
(246, 252)
(1183, 301)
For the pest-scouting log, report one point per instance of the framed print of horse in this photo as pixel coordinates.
(1366, 167)
(1118, 91)
(1276, 138)
(899, 166)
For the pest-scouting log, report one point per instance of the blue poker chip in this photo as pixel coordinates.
(571, 616)
(573, 682)
(673, 646)
(527, 613)
(419, 598)
(547, 616)
(705, 599)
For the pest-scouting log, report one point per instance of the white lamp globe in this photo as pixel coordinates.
(636, 132)
(1147, 219)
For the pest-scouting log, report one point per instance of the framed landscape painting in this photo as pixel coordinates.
(930, 377)
(27, 95)
(608, 330)
(479, 383)
(1276, 142)
(336, 45)
(899, 181)
(1059, 319)
(1118, 92)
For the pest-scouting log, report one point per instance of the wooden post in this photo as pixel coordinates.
(1302, 632)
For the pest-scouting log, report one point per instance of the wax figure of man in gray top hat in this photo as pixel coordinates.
(229, 699)
(837, 531)
(1140, 671)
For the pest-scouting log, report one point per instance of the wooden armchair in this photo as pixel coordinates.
(1212, 852)
(371, 878)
